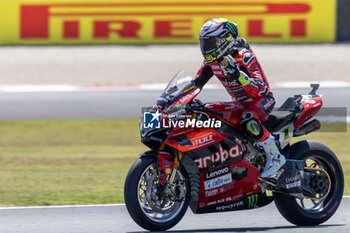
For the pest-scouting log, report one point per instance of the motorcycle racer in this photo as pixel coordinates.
(233, 62)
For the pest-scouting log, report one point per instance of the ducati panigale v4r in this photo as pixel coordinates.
(201, 158)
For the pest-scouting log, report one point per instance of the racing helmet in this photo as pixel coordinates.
(217, 37)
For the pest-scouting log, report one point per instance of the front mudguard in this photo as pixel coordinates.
(188, 164)
(149, 153)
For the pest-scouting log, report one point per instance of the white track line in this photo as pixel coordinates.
(68, 206)
(56, 206)
(153, 86)
(37, 88)
(306, 84)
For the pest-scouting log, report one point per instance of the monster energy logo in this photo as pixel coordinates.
(230, 26)
(253, 201)
(179, 106)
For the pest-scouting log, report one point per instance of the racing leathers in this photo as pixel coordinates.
(242, 76)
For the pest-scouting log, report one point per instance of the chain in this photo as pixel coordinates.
(267, 182)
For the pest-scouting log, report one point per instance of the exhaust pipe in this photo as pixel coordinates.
(307, 128)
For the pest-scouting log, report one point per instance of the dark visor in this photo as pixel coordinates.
(208, 45)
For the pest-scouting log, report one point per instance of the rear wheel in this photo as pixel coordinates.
(329, 188)
(151, 205)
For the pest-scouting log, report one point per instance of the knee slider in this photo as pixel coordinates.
(246, 117)
(252, 125)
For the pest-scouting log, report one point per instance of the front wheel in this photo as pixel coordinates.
(309, 211)
(151, 205)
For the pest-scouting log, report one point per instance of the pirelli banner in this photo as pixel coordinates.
(159, 21)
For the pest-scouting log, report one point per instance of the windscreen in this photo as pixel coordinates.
(176, 85)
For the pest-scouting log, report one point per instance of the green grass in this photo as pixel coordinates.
(84, 161)
(66, 162)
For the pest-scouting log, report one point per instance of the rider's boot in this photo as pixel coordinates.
(274, 159)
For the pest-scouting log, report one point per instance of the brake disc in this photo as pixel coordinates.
(154, 197)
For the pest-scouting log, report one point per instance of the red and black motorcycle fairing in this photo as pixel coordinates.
(228, 112)
(298, 110)
(230, 187)
(216, 169)
(311, 105)
(212, 150)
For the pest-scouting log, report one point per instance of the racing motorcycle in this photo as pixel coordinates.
(201, 158)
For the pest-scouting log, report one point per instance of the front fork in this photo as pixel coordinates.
(169, 164)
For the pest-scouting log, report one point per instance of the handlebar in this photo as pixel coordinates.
(197, 105)
(220, 114)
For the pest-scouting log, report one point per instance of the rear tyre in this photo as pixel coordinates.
(145, 201)
(307, 211)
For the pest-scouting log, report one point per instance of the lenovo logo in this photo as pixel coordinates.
(217, 173)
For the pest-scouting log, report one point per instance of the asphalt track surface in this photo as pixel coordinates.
(124, 104)
(113, 219)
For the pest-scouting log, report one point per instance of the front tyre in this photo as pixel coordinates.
(150, 206)
(308, 211)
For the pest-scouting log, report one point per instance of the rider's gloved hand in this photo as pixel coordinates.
(195, 105)
(229, 65)
(161, 104)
